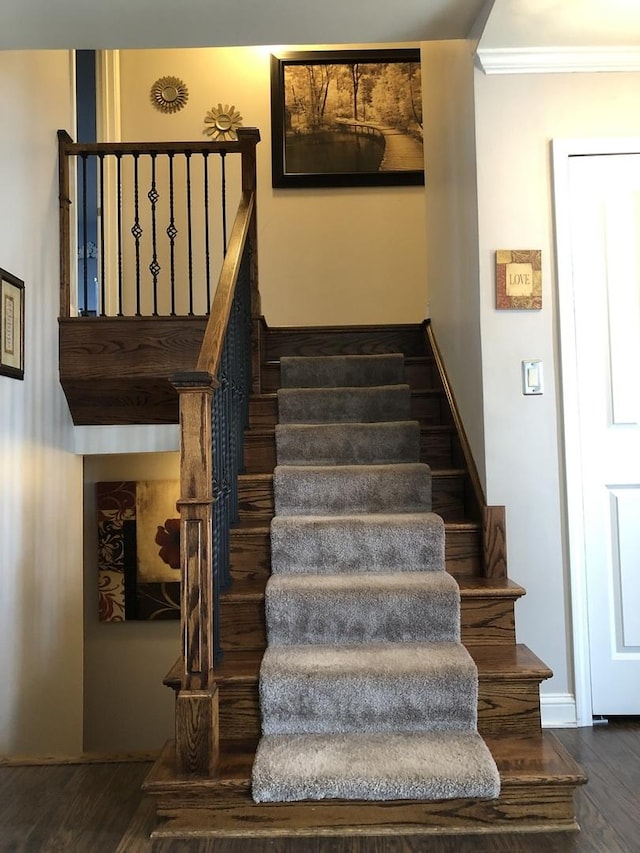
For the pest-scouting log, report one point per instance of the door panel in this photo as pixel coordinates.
(605, 238)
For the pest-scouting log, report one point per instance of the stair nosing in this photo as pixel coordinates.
(525, 672)
(239, 778)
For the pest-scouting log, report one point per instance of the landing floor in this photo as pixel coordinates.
(99, 808)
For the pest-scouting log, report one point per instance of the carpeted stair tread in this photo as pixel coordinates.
(375, 687)
(398, 766)
(348, 443)
(379, 542)
(344, 404)
(413, 607)
(365, 689)
(351, 489)
(341, 370)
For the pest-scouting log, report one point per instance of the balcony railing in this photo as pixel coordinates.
(151, 224)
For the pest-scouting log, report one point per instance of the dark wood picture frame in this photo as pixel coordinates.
(321, 135)
(11, 325)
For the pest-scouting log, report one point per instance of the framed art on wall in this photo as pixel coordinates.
(138, 550)
(11, 325)
(519, 279)
(346, 118)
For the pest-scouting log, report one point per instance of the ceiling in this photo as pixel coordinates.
(210, 23)
(201, 23)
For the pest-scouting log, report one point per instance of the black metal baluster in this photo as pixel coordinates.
(154, 267)
(84, 312)
(244, 305)
(189, 234)
(226, 460)
(172, 233)
(103, 302)
(217, 520)
(231, 344)
(206, 230)
(119, 193)
(136, 229)
(223, 174)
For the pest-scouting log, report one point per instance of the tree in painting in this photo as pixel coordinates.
(320, 96)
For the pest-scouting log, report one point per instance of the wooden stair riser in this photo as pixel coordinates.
(242, 624)
(260, 450)
(418, 373)
(538, 779)
(255, 495)
(345, 340)
(503, 708)
(509, 680)
(428, 406)
(520, 809)
(251, 553)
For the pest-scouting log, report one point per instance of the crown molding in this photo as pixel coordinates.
(545, 60)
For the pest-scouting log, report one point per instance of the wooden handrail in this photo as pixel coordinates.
(246, 136)
(494, 546)
(211, 349)
(201, 490)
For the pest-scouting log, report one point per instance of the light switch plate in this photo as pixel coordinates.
(532, 376)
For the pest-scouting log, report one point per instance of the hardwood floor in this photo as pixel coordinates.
(99, 808)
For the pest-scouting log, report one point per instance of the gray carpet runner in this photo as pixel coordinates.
(366, 692)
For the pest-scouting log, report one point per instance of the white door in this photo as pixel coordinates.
(604, 194)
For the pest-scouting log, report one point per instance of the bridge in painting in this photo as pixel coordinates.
(401, 150)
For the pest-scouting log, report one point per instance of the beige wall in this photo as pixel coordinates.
(126, 706)
(327, 256)
(41, 517)
(452, 226)
(517, 117)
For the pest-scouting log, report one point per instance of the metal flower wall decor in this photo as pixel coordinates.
(222, 123)
(169, 94)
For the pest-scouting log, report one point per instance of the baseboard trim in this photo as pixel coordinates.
(82, 758)
(558, 711)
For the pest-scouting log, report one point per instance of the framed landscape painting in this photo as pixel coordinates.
(11, 325)
(346, 118)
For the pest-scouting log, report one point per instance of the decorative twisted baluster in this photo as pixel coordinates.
(136, 228)
(172, 233)
(154, 267)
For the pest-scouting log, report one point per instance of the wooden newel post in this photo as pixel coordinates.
(64, 202)
(197, 738)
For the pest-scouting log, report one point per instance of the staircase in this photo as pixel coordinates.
(537, 777)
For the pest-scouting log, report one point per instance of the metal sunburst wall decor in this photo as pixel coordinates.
(169, 94)
(222, 123)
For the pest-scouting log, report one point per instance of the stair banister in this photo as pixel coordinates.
(492, 518)
(213, 398)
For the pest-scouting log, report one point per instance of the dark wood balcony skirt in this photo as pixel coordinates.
(116, 370)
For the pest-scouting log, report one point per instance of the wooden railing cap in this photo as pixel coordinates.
(194, 379)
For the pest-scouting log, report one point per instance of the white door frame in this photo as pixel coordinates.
(562, 150)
